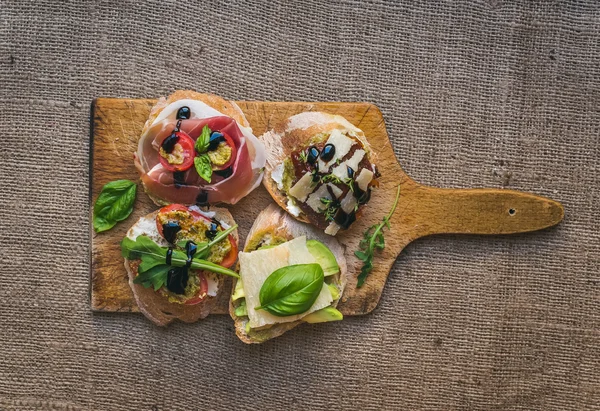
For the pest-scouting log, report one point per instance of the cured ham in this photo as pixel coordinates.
(242, 154)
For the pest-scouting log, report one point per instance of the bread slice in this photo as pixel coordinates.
(296, 132)
(227, 108)
(157, 307)
(273, 221)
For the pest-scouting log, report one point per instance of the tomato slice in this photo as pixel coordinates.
(232, 255)
(229, 259)
(176, 207)
(187, 146)
(201, 292)
(230, 143)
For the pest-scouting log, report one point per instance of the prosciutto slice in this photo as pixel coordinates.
(160, 182)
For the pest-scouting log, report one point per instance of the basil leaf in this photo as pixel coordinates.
(291, 290)
(102, 224)
(203, 167)
(115, 203)
(203, 141)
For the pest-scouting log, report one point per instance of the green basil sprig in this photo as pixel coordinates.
(202, 161)
(203, 141)
(153, 269)
(115, 203)
(291, 290)
(203, 167)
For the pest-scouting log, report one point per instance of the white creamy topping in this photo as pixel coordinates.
(293, 208)
(277, 175)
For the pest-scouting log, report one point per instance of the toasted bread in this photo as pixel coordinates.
(228, 108)
(295, 132)
(276, 222)
(157, 307)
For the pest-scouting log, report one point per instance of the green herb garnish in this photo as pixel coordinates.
(153, 270)
(291, 290)
(115, 203)
(303, 156)
(203, 141)
(203, 167)
(331, 178)
(372, 240)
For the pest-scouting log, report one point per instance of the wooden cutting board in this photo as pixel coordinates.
(117, 125)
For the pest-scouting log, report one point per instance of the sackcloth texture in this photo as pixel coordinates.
(501, 94)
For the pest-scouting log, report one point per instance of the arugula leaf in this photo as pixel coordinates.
(373, 239)
(114, 204)
(203, 167)
(153, 269)
(155, 277)
(203, 141)
(291, 290)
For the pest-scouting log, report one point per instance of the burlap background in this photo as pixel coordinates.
(483, 93)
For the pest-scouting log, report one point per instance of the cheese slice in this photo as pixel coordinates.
(303, 187)
(364, 178)
(356, 158)
(342, 145)
(341, 171)
(348, 203)
(314, 200)
(332, 228)
(257, 266)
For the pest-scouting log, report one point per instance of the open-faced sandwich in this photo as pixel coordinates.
(198, 149)
(320, 168)
(290, 273)
(176, 258)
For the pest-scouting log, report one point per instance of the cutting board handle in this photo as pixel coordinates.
(433, 210)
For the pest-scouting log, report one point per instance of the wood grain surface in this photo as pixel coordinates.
(422, 210)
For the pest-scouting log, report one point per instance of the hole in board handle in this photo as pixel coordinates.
(512, 211)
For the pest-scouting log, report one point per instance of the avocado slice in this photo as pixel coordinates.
(238, 291)
(335, 292)
(324, 257)
(324, 315)
(241, 310)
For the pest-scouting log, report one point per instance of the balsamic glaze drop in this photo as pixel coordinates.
(216, 138)
(202, 198)
(212, 232)
(170, 230)
(177, 279)
(344, 219)
(224, 173)
(190, 250)
(179, 178)
(169, 255)
(328, 152)
(177, 126)
(183, 113)
(168, 143)
(361, 196)
(313, 155)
